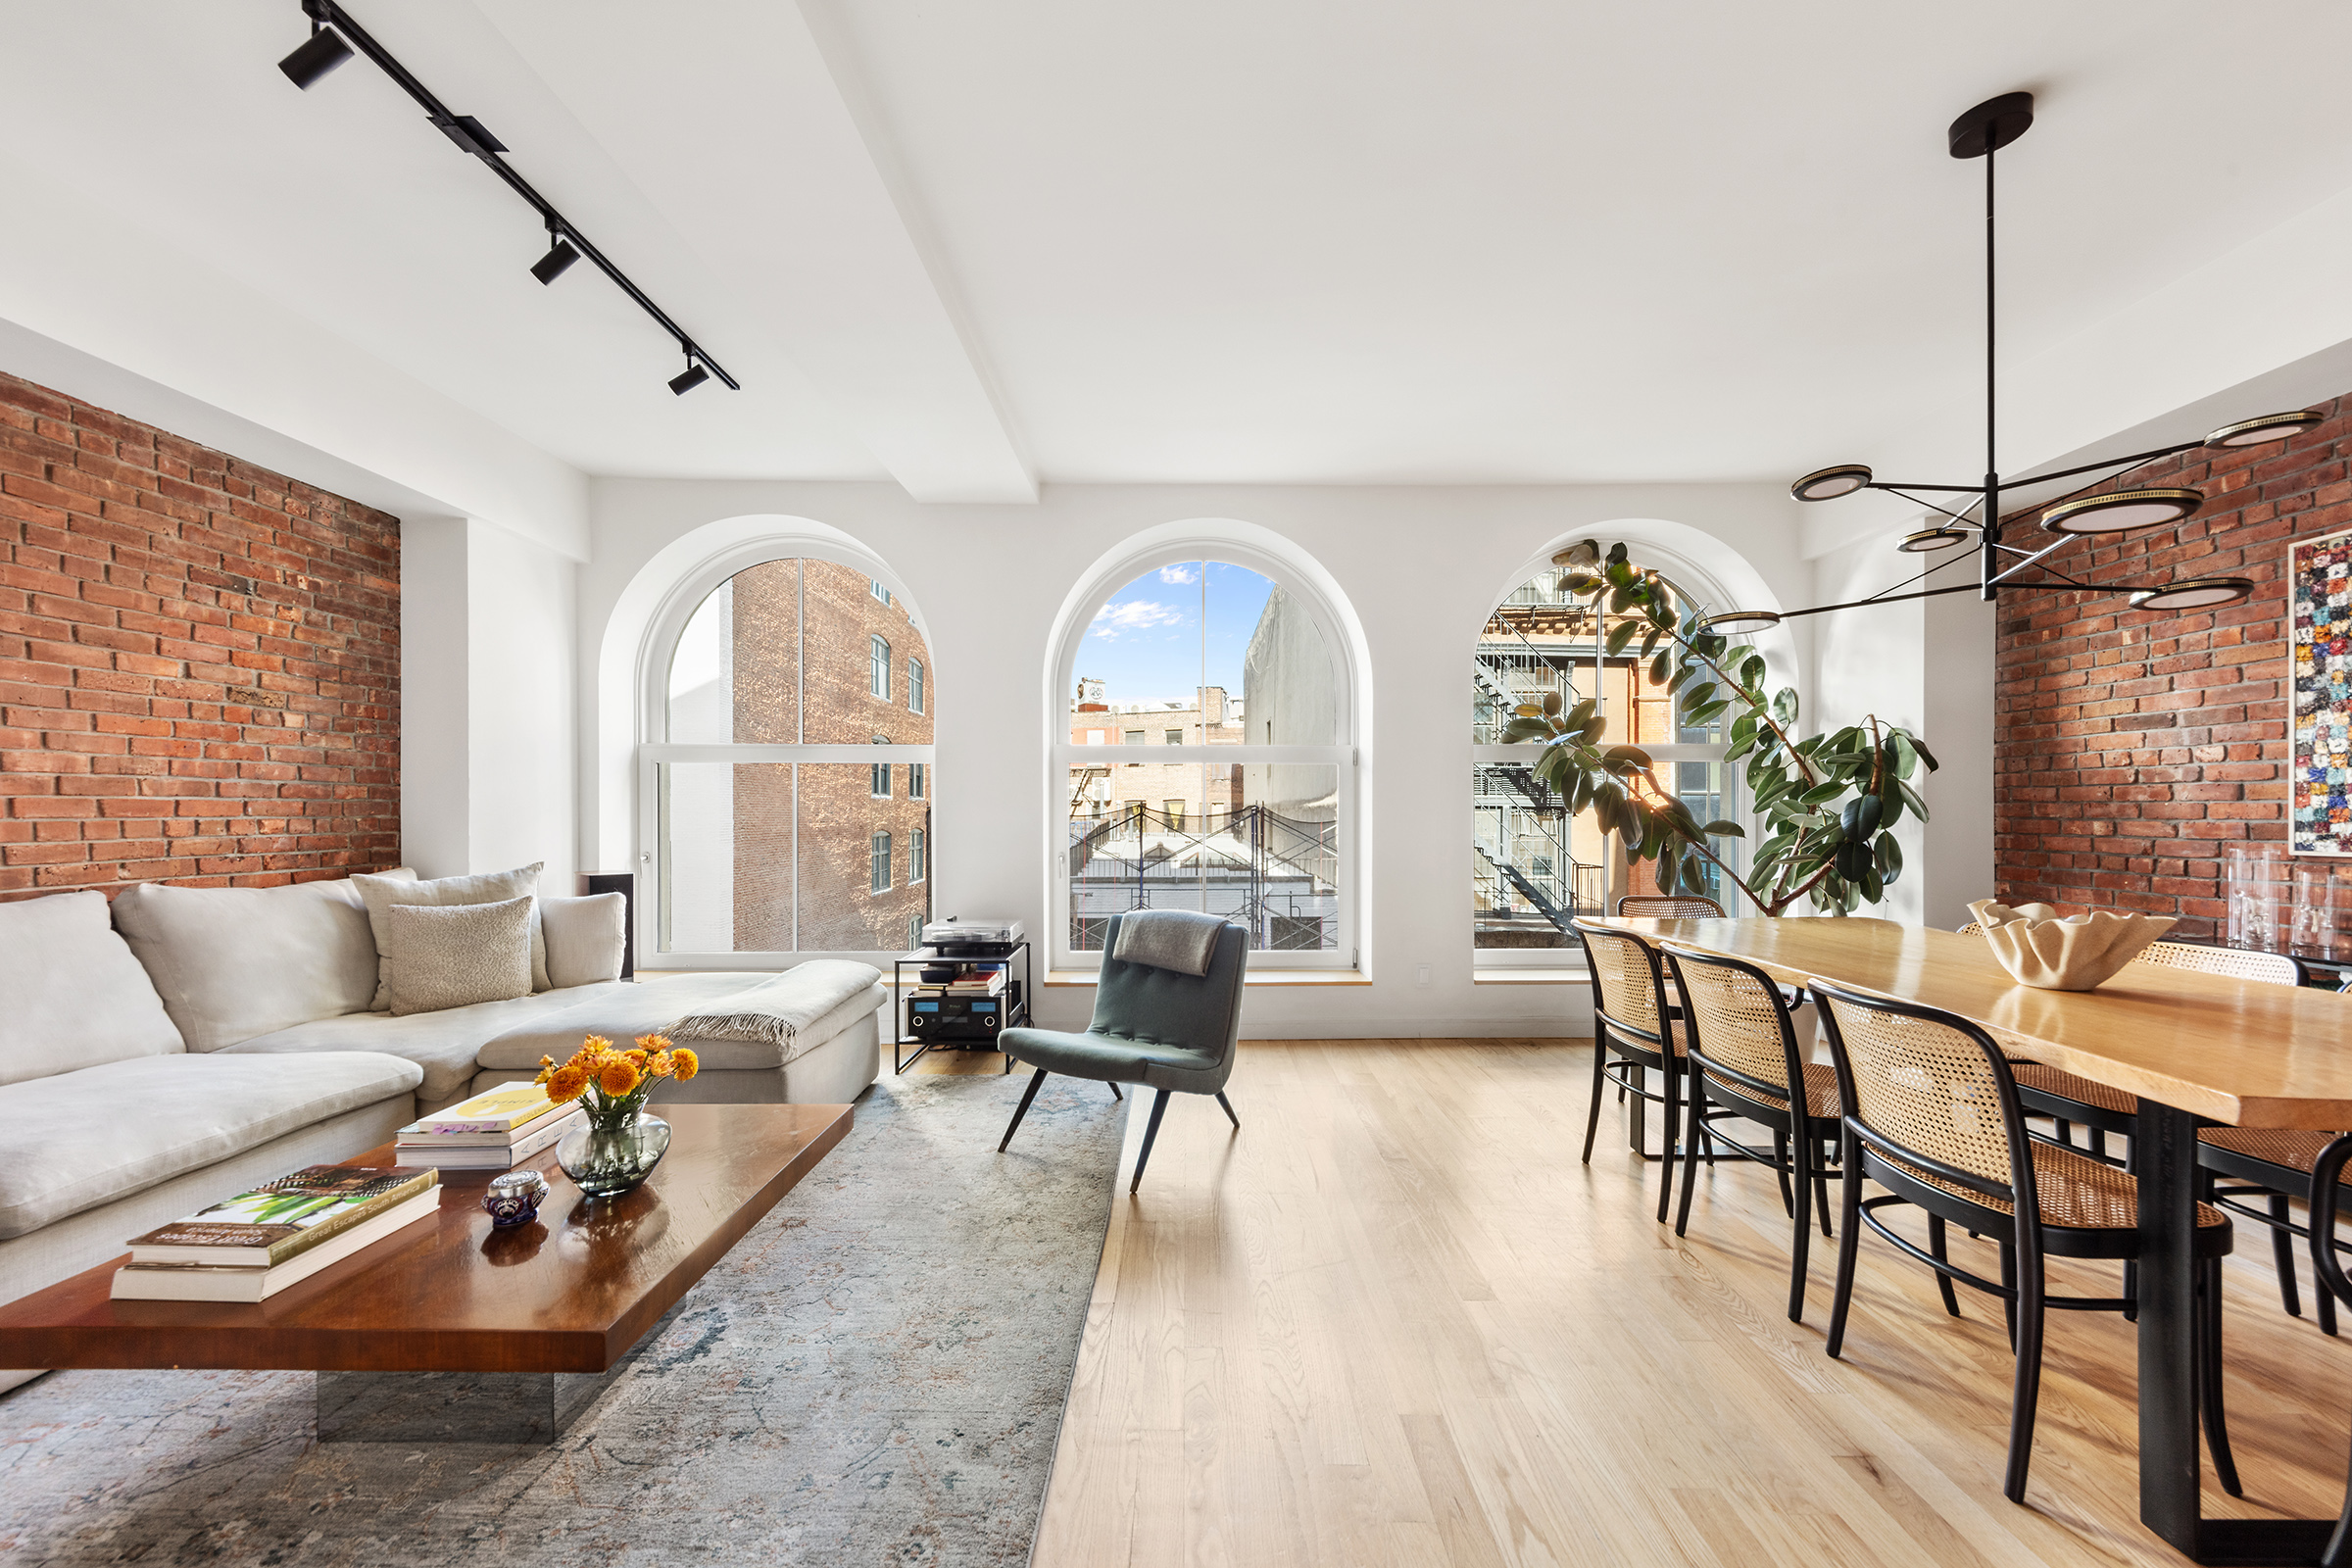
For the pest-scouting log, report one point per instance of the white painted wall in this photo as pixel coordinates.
(489, 702)
(1420, 567)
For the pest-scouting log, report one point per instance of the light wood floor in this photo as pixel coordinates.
(1394, 1320)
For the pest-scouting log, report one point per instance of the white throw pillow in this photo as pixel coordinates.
(382, 893)
(456, 954)
(71, 993)
(235, 962)
(585, 938)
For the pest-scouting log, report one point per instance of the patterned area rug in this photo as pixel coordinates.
(874, 1375)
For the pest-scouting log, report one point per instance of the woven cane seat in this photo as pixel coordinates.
(2294, 1148)
(2070, 1086)
(1821, 1091)
(2077, 1193)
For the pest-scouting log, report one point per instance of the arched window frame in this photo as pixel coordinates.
(666, 624)
(1692, 579)
(1342, 753)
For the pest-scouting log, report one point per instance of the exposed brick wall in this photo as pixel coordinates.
(2130, 748)
(199, 661)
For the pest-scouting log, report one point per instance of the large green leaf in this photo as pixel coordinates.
(1621, 634)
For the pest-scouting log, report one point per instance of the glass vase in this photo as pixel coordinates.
(605, 1161)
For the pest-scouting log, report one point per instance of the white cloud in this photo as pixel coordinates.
(1180, 576)
(1134, 614)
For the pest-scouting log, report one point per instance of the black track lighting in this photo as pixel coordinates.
(336, 36)
(547, 269)
(319, 54)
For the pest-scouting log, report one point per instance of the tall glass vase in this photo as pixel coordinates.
(608, 1159)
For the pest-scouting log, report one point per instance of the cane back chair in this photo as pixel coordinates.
(2329, 1178)
(1633, 1036)
(1932, 1113)
(1668, 906)
(1743, 1054)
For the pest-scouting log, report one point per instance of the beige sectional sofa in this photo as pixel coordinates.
(191, 1042)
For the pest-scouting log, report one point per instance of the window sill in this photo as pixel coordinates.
(1263, 977)
(1529, 977)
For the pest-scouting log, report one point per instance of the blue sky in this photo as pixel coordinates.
(1146, 643)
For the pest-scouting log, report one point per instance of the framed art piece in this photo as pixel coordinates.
(2320, 809)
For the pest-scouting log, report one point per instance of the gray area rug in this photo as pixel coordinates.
(874, 1375)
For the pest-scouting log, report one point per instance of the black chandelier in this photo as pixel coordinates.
(325, 49)
(1978, 133)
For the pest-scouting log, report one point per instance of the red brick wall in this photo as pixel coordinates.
(2130, 748)
(199, 661)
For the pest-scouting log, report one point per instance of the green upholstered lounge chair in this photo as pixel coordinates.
(1160, 1028)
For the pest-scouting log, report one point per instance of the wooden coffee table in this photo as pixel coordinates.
(453, 1331)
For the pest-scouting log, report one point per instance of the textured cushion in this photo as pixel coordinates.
(441, 1044)
(380, 893)
(87, 1138)
(837, 993)
(235, 962)
(71, 993)
(586, 938)
(456, 954)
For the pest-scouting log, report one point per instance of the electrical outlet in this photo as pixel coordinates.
(1421, 975)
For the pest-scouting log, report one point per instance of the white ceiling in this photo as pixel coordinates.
(972, 247)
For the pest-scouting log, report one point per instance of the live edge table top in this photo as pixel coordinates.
(2234, 1051)
(569, 1293)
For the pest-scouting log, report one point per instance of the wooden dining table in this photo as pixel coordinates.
(2196, 1048)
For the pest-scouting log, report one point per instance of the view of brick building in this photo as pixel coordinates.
(799, 855)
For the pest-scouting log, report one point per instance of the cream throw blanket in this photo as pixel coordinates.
(775, 1010)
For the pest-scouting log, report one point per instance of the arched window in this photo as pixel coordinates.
(1532, 866)
(762, 807)
(1208, 761)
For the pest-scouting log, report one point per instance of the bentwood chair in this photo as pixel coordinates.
(1633, 1036)
(2328, 1180)
(1744, 1055)
(1932, 1114)
(1668, 906)
(1160, 1028)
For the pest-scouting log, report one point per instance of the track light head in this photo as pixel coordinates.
(1826, 485)
(319, 54)
(2121, 510)
(1927, 541)
(2194, 593)
(547, 269)
(687, 380)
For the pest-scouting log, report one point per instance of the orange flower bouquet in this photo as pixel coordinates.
(620, 1143)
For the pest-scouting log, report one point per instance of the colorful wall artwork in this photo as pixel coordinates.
(2322, 809)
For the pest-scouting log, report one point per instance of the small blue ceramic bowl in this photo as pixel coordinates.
(514, 1199)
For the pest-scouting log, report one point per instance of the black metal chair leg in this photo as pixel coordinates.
(1160, 1107)
(1601, 1059)
(1014, 1125)
(2027, 1338)
(1802, 1212)
(1227, 1107)
(1937, 1249)
(2282, 1251)
(1666, 1138)
(1690, 1143)
(1849, 1226)
(1115, 1092)
(2209, 1376)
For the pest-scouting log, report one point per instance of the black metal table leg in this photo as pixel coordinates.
(2170, 1474)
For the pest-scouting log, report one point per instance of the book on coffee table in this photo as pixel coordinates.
(495, 1114)
(283, 1218)
(219, 1282)
(492, 1131)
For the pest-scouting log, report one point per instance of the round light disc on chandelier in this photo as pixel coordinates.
(1927, 541)
(2120, 510)
(2270, 427)
(1734, 622)
(2192, 593)
(1827, 485)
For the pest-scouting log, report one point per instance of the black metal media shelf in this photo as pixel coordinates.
(1013, 1002)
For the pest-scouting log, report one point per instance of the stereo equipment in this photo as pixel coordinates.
(939, 1020)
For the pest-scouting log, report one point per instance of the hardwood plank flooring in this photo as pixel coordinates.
(1394, 1320)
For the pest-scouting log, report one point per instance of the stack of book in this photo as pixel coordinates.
(502, 1127)
(251, 1247)
(961, 979)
